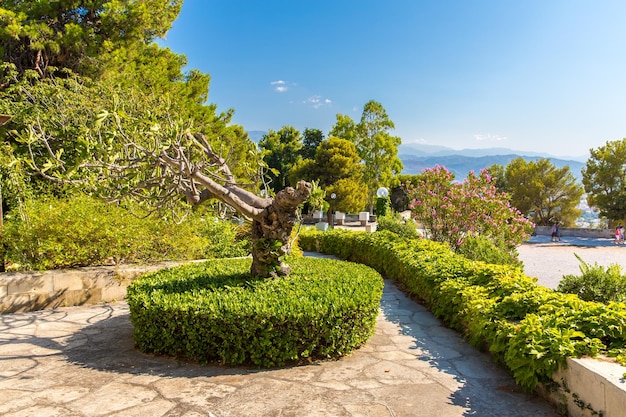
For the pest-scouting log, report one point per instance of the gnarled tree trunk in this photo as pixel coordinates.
(272, 219)
(271, 231)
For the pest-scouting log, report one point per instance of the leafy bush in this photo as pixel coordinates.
(217, 312)
(394, 223)
(480, 248)
(383, 206)
(85, 232)
(450, 211)
(529, 328)
(596, 283)
(225, 239)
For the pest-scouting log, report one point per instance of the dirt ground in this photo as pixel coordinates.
(550, 261)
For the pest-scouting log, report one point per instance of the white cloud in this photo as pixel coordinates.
(280, 86)
(489, 137)
(317, 101)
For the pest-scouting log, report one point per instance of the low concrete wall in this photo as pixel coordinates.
(29, 291)
(574, 231)
(590, 387)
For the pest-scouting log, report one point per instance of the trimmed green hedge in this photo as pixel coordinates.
(217, 312)
(528, 328)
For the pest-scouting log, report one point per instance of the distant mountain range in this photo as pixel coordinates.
(417, 157)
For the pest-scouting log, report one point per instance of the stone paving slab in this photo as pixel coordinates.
(80, 361)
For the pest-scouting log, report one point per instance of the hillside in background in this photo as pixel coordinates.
(434, 150)
(461, 165)
(417, 157)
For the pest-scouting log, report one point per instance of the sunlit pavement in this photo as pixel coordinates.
(80, 361)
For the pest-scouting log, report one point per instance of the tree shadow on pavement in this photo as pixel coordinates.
(104, 344)
(485, 389)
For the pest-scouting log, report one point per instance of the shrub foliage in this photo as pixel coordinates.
(596, 283)
(83, 231)
(217, 312)
(393, 222)
(529, 328)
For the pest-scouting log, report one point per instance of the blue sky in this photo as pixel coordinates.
(534, 75)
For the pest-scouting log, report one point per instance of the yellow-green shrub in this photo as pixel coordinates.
(82, 231)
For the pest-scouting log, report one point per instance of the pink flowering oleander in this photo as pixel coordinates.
(450, 211)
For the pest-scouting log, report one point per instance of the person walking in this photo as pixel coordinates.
(619, 235)
(555, 233)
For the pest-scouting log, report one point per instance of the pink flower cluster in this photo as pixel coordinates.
(451, 211)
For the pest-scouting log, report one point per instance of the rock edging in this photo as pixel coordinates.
(30, 291)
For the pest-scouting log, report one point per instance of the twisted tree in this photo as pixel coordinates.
(137, 149)
(97, 104)
(272, 218)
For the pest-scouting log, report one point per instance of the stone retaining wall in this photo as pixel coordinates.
(574, 231)
(29, 291)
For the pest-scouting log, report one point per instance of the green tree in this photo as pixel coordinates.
(350, 196)
(543, 192)
(98, 106)
(14, 187)
(338, 170)
(604, 179)
(13, 192)
(65, 109)
(46, 34)
(336, 159)
(280, 151)
(376, 146)
(498, 177)
(135, 147)
(344, 128)
(311, 138)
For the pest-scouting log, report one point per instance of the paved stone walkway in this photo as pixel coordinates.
(80, 361)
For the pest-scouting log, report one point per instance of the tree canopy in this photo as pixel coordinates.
(311, 138)
(280, 151)
(375, 145)
(540, 190)
(604, 179)
(99, 106)
(44, 35)
(65, 64)
(338, 170)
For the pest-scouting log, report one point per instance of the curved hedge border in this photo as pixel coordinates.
(529, 328)
(217, 312)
